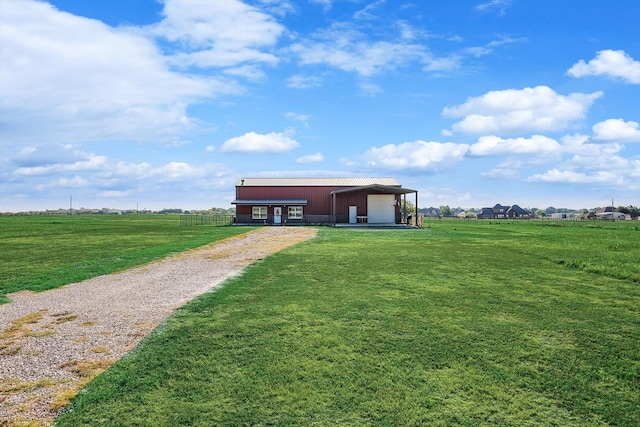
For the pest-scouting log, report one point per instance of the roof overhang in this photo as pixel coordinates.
(387, 189)
(282, 202)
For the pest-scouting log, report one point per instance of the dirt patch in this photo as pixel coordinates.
(53, 343)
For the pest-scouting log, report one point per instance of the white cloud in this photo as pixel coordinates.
(369, 12)
(113, 194)
(92, 162)
(596, 164)
(174, 171)
(249, 72)
(590, 163)
(369, 89)
(349, 50)
(448, 63)
(252, 142)
(574, 177)
(503, 40)
(299, 81)
(82, 80)
(616, 130)
(407, 32)
(603, 161)
(310, 158)
(348, 162)
(502, 173)
(416, 155)
(49, 171)
(68, 160)
(213, 58)
(326, 4)
(499, 6)
(454, 61)
(211, 30)
(42, 155)
(494, 145)
(611, 63)
(579, 144)
(75, 182)
(299, 117)
(477, 51)
(345, 47)
(513, 111)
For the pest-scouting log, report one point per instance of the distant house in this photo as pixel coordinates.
(505, 212)
(319, 200)
(559, 216)
(516, 212)
(496, 212)
(434, 212)
(608, 213)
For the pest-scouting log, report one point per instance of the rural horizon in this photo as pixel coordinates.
(165, 209)
(167, 104)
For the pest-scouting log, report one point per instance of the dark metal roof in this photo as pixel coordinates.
(517, 209)
(284, 202)
(376, 187)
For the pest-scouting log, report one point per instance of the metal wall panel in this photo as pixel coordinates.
(319, 199)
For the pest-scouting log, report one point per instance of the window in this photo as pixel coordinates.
(295, 212)
(259, 212)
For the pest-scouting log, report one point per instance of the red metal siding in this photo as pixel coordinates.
(359, 199)
(319, 199)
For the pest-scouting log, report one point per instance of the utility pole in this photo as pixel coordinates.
(613, 210)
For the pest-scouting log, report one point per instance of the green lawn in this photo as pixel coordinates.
(44, 252)
(466, 323)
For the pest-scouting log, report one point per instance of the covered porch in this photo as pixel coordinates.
(371, 206)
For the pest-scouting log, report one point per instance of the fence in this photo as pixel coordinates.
(205, 219)
(284, 220)
(211, 219)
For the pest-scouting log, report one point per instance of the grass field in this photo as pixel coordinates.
(465, 323)
(44, 252)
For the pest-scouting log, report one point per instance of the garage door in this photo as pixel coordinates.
(381, 208)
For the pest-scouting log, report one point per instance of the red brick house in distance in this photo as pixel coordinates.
(289, 201)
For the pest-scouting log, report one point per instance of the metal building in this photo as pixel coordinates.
(320, 201)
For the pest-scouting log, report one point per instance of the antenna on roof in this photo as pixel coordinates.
(242, 182)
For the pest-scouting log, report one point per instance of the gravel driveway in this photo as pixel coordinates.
(54, 342)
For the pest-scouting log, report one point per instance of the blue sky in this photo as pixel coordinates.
(166, 104)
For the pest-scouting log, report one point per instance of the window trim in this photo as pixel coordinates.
(259, 212)
(295, 209)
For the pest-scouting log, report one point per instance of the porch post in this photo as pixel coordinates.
(417, 208)
(333, 207)
(405, 205)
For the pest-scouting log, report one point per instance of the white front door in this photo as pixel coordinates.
(277, 215)
(353, 214)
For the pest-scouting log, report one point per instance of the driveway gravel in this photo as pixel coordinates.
(52, 343)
